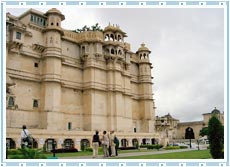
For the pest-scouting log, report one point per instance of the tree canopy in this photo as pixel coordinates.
(95, 27)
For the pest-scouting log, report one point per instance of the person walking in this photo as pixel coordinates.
(25, 138)
(96, 141)
(105, 144)
(112, 144)
(116, 141)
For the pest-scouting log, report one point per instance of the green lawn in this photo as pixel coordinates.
(87, 153)
(195, 154)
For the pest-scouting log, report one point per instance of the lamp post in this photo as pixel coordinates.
(53, 148)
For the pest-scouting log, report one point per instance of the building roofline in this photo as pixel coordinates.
(34, 11)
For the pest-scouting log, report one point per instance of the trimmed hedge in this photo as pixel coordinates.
(62, 150)
(175, 147)
(127, 148)
(154, 146)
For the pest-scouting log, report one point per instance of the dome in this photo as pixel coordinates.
(215, 111)
(143, 48)
(54, 10)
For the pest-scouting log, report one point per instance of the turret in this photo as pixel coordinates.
(143, 53)
(52, 68)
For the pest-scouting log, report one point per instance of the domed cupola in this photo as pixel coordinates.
(114, 33)
(54, 18)
(143, 52)
(215, 111)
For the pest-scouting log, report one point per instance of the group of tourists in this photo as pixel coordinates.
(109, 143)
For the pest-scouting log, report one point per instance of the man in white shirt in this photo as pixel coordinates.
(24, 134)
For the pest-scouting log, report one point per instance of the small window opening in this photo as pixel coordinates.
(18, 35)
(35, 64)
(69, 125)
(35, 103)
(11, 101)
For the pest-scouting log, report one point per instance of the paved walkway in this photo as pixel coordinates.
(131, 154)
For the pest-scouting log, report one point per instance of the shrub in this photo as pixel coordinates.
(89, 149)
(63, 150)
(155, 146)
(143, 146)
(182, 147)
(28, 153)
(13, 151)
(127, 148)
(172, 147)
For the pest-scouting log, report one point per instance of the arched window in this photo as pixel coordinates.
(106, 37)
(83, 50)
(112, 36)
(112, 51)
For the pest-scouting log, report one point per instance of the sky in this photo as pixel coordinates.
(187, 52)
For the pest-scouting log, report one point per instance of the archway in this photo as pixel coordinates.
(144, 141)
(124, 143)
(35, 143)
(10, 143)
(84, 144)
(49, 144)
(153, 141)
(135, 143)
(68, 144)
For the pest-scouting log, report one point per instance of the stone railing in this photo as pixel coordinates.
(87, 36)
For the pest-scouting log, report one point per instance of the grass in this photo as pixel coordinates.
(87, 153)
(195, 154)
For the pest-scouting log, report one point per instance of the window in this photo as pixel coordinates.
(35, 64)
(35, 103)
(18, 35)
(11, 101)
(135, 130)
(31, 18)
(69, 125)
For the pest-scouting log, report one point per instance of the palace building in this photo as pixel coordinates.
(63, 84)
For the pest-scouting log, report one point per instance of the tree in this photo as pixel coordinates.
(204, 131)
(215, 137)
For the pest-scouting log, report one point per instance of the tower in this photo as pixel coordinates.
(51, 72)
(145, 89)
(118, 79)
